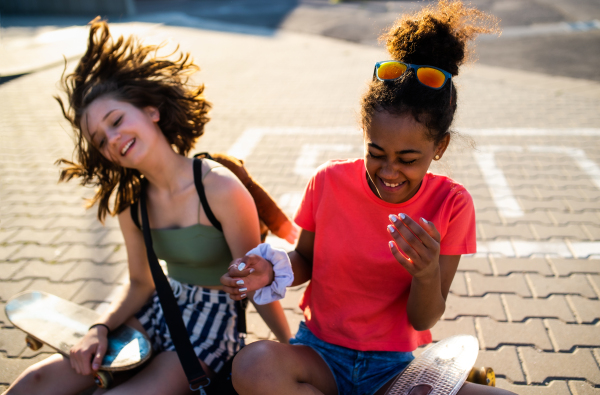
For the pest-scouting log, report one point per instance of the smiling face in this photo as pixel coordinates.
(121, 132)
(397, 155)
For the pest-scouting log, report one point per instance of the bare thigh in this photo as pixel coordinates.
(268, 367)
(53, 375)
(162, 375)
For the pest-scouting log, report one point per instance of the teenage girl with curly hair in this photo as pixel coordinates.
(135, 119)
(381, 237)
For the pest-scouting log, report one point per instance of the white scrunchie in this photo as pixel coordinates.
(283, 274)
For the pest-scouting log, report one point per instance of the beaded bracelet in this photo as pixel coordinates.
(95, 325)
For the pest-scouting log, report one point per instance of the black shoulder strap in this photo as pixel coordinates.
(179, 336)
(200, 188)
(134, 214)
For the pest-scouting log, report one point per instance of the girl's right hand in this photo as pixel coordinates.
(86, 356)
(256, 273)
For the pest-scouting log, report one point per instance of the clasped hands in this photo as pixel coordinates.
(246, 275)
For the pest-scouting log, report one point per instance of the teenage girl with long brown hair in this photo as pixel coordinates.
(135, 119)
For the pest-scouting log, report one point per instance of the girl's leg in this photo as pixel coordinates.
(267, 367)
(162, 375)
(53, 375)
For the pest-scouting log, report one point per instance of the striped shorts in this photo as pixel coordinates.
(209, 316)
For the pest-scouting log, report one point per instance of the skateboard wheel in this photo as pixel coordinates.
(103, 379)
(32, 343)
(483, 376)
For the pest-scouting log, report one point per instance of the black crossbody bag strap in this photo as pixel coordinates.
(189, 361)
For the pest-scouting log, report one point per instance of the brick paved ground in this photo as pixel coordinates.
(531, 295)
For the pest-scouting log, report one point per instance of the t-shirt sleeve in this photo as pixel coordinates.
(305, 215)
(461, 237)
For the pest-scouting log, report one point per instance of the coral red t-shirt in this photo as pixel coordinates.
(358, 293)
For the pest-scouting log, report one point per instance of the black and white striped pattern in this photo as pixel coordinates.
(210, 319)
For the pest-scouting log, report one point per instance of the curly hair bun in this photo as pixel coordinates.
(437, 35)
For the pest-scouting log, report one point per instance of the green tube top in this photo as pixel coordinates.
(197, 254)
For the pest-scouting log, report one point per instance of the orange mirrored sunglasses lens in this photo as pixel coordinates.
(390, 71)
(431, 77)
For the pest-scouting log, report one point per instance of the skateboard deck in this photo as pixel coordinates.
(440, 370)
(60, 324)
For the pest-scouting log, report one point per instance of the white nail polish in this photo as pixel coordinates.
(424, 220)
(251, 270)
(242, 266)
(239, 282)
(243, 289)
(393, 218)
(243, 296)
(391, 243)
(402, 215)
(391, 229)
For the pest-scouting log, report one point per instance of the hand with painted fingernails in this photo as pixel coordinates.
(415, 245)
(246, 275)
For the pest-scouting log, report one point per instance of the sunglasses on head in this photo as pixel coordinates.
(432, 77)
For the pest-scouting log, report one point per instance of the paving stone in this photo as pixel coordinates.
(568, 336)
(11, 368)
(37, 236)
(555, 306)
(88, 270)
(575, 284)
(28, 222)
(566, 267)
(12, 342)
(505, 266)
(78, 252)
(8, 269)
(556, 387)
(257, 326)
(10, 288)
(473, 264)
(38, 269)
(583, 388)
(459, 284)
(595, 282)
(6, 235)
(96, 291)
(119, 255)
(112, 236)
(74, 223)
(62, 289)
(495, 231)
(291, 300)
(570, 231)
(4, 322)
(34, 251)
(7, 251)
(531, 332)
(504, 361)
(71, 236)
(513, 283)
(447, 328)
(546, 366)
(488, 306)
(588, 310)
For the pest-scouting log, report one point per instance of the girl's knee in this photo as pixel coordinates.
(254, 363)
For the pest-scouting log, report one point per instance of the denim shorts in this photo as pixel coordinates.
(355, 372)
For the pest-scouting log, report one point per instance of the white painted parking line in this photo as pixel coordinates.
(501, 192)
(496, 181)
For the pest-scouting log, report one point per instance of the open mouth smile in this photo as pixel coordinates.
(127, 146)
(390, 185)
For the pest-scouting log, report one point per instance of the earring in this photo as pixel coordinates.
(437, 157)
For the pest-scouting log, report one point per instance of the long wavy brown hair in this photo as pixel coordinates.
(129, 71)
(437, 35)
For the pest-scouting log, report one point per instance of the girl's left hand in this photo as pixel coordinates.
(247, 274)
(416, 247)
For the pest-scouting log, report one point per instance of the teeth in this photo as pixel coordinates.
(127, 147)
(390, 185)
